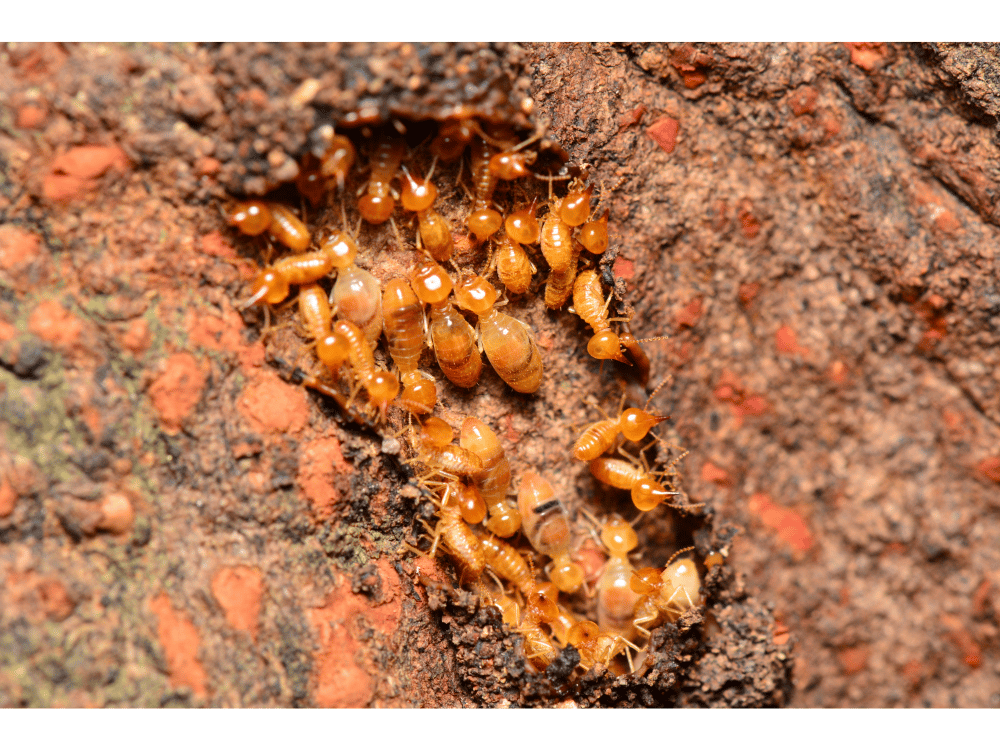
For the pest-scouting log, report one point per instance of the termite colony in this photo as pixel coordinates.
(513, 207)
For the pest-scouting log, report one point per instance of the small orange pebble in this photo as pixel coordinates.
(790, 525)
(956, 632)
(7, 332)
(853, 659)
(213, 244)
(76, 171)
(19, 248)
(664, 132)
(54, 324)
(117, 513)
(837, 372)
(729, 388)
(632, 118)
(866, 55)
(781, 633)
(270, 405)
(239, 590)
(689, 315)
(786, 341)
(207, 166)
(749, 224)
(137, 337)
(8, 498)
(803, 100)
(690, 64)
(990, 468)
(177, 390)
(748, 292)
(715, 475)
(754, 406)
(180, 641)
(981, 598)
(30, 116)
(324, 475)
(623, 268)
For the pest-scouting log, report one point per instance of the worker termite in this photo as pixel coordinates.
(589, 304)
(547, 527)
(272, 284)
(382, 386)
(597, 647)
(513, 265)
(403, 322)
(561, 252)
(287, 228)
(634, 424)
(452, 138)
(666, 594)
(538, 650)
(484, 220)
(250, 217)
(507, 563)
(435, 231)
(494, 480)
(435, 450)
(509, 344)
(377, 204)
(594, 235)
(522, 226)
(461, 543)
(575, 207)
(337, 160)
(646, 492)
(315, 311)
(615, 600)
(453, 338)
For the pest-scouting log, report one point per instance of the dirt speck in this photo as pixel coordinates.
(270, 405)
(180, 641)
(239, 590)
(177, 390)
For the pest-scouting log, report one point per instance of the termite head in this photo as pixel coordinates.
(605, 345)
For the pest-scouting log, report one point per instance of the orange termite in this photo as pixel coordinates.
(513, 265)
(522, 226)
(507, 563)
(615, 600)
(597, 647)
(287, 228)
(435, 232)
(453, 338)
(589, 304)
(382, 386)
(594, 235)
(509, 344)
(337, 160)
(494, 480)
(666, 594)
(315, 311)
(484, 220)
(272, 283)
(575, 207)
(561, 252)
(403, 322)
(461, 543)
(547, 527)
(646, 492)
(357, 297)
(377, 204)
(452, 138)
(250, 217)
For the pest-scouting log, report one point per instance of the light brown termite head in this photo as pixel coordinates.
(382, 388)
(436, 432)
(452, 138)
(403, 316)
(474, 293)
(419, 394)
(484, 222)
(269, 286)
(417, 195)
(511, 165)
(575, 207)
(357, 297)
(522, 226)
(606, 345)
(287, 228)
(431, 282)
(635, 424)
(619, 537)
(594, 235)
(341, 248)
(338, 160)
(250, 217)
(333, 350)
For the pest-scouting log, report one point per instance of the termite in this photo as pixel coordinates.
(357, 297)
(594, 235)
(575, 207)
(310, 180)
(315, 311)
(453, 338)
(646, 492)
(589, 304)
(377, 204)
(484, 220)
(461, 543)
(272, 284)
(513, 265)
(615, 600)
(561, 252)
(287, 228)
(597, 647)
(547, 527)
(337, 160)
(452, 138)
(666, 594)
(250, 217)
(634, 424)
(494, 480)
(509, 344)
(522, 226)
(507, 563)
(382, 386)
(435, 232)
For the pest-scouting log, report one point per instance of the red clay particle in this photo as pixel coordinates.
(30, 116)
(55, 599)
(324, 475)
(664, 132)
(210, 331)
(781, 633)
(632, 118)
(981, 598)
(786, 342)
(748, 292)
(715, 475)
(213, 244)
(77, 171)
(789, 525)
(838, 372)
(691, 313)
(866, 55)
(754, 406)
(19, 249)
(137, 337)
(177, 390)
(52, 323)
(990, 468)
(803, 101)
(853, 659)
(239, 591)
(180, 641)
(749, 224)
(623, 268)
(207, 166)
(271, 405)
(117, 513)
(972, 654)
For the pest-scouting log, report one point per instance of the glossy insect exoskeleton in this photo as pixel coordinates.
(575, 207)
(273, 283)
(250, 217)
(494, 480)
(666, 594)
(419, 393)
(341, 248)
(452, 138)
(403, 322)
(507, 563)
(337, 160)
(461, 543)
(588, 301)
(615, 599)
(547, 527)
(538, 648)
(594, 235)
(310, 180)
(514, 267)
(357, 297)
(522, 226)
(435, 231)
(377, 204)
(600, 437)
(454, 339)
(561, 252)
(597, 647)
(508, 343)
(484, 220)
(333, 350)
(315, 311)
(646, 492)
(287, 228)
(382, 386)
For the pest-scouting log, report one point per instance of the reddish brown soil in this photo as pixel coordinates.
(812, 227)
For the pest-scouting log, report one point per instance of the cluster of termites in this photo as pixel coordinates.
(520, 556)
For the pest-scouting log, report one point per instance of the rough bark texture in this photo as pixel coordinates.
(813, 228)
